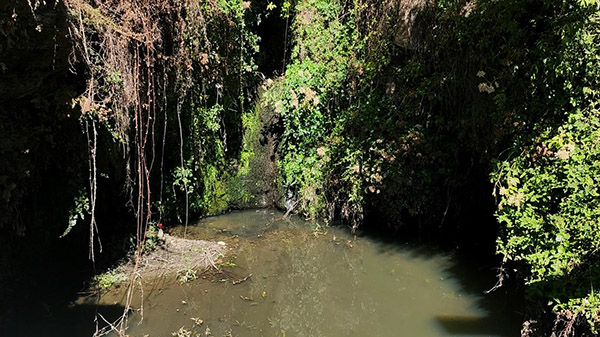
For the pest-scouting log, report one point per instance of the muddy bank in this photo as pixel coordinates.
(175, 254)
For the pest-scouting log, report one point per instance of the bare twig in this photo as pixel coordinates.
(242, 280)
(500, 275)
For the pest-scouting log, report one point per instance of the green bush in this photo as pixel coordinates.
(548, 189)
(306, 97)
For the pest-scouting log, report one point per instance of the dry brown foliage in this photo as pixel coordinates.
(135, 52)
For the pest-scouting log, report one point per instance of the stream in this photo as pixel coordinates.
(292, 278)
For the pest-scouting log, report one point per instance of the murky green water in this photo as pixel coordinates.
(311, 282)
(305, 282)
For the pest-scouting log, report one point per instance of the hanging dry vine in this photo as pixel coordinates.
(131, 50)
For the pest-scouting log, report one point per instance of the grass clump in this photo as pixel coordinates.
(109, 278)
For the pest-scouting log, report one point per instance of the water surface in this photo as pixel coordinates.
(315, 281)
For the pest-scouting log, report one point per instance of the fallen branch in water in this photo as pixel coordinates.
(500, 275)
(290, 209)
(242, 280)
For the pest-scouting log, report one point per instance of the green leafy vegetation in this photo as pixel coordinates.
(304, 100)
(428, 116)
(109, 278)
(186, 275)
(548, 191)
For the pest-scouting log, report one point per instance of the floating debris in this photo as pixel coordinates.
(241, 280)
(197, 321)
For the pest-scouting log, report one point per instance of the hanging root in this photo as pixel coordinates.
(134, 53)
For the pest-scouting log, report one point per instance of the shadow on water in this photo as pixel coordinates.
(44, 294)
(473, 325)
(49, 303)
(478, 278)
(60, 320)
(473, 268)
